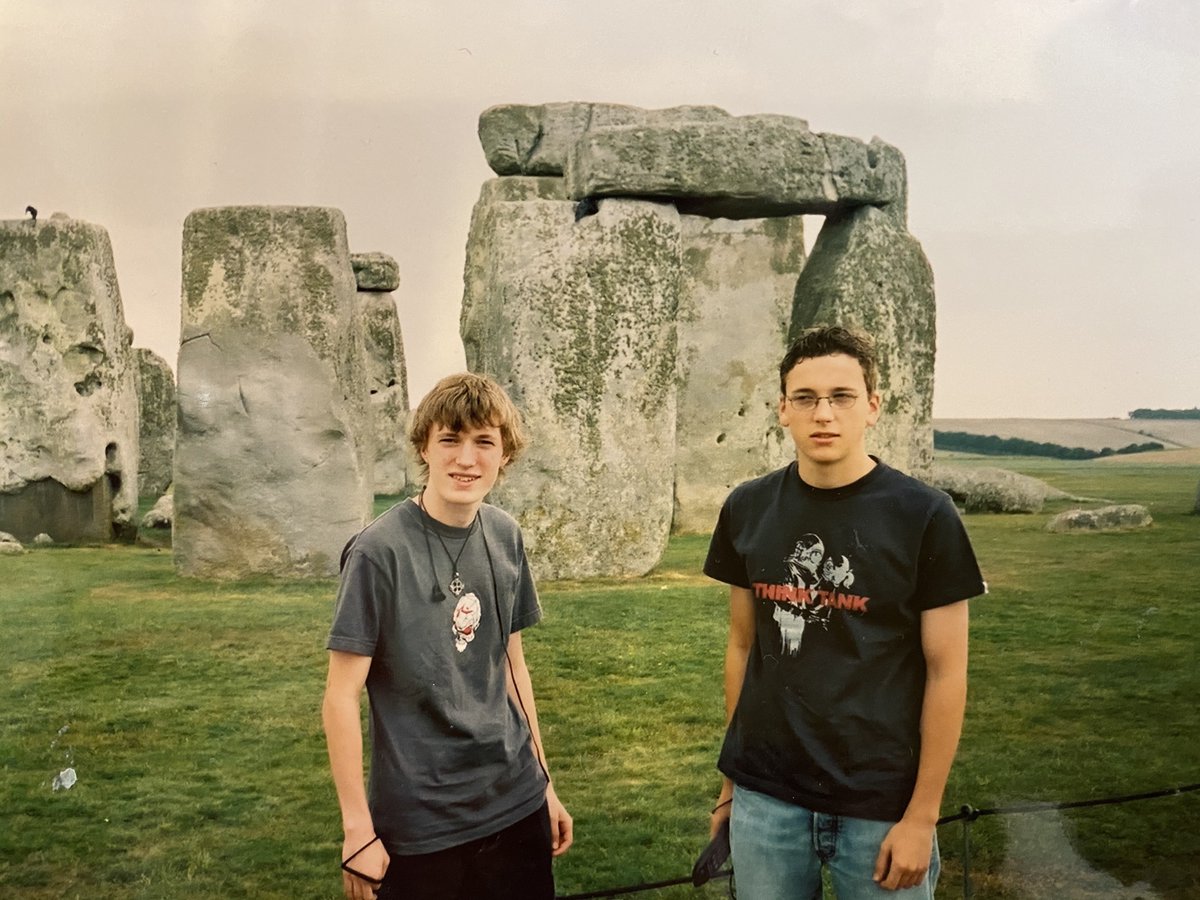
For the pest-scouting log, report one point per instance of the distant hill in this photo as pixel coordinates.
(1091, 434)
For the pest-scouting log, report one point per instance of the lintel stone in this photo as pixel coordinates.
(737, 168)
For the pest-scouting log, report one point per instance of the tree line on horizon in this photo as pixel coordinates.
(994, 445)
(1193, 413)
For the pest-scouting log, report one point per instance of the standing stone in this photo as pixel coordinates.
(273, 455)
(576, 319)
(387, 378)
(735, 306)
(866, 271)
(1196, 505)
(156, 402)
(68, 398)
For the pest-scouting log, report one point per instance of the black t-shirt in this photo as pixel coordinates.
(829, 713)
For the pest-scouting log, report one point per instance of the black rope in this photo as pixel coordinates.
(638, 888)
(966, 813)
(970, 813)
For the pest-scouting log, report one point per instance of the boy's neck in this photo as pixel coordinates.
(835, 475)
(453, 515)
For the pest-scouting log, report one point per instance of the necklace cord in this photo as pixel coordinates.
(456, 585)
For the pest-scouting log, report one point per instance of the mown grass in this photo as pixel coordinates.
(191, 710)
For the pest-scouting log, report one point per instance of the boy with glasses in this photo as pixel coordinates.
(434, 595)
(846, 663)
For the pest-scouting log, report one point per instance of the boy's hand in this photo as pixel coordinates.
(562, 833)
(371, 861)
(904, 856)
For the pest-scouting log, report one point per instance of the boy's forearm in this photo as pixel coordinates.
(343, 737)
(941, 725)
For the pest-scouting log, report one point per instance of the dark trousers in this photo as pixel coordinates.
(512, 864)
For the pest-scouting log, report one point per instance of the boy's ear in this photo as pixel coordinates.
(874, 407)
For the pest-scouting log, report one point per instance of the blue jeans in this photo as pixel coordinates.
(779, 849)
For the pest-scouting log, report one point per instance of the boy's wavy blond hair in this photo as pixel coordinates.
(464, 401)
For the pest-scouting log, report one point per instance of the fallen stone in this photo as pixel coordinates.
(577, 320)
(738, 168)
(1106, 518)
(735, 305)
(43, 540)
(375, 272)
(990, 489)
(156, 432)
(9, 545)
(68, 397)
(866, 271)
(535, 140)
(273, 454)
(162, 513)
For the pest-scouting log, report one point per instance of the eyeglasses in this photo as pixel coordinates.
(809, 402)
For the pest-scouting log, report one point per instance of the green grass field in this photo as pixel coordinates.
(190, 711)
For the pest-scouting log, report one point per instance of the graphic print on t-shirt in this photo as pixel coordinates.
(467, 614)
(818, 583)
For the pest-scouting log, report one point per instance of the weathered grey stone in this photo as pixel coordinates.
(738, 168)
(735, 306)
(375, 272)
(387, 381)
(990, 489)
(1196, 505)
(576, 319)
(1106, 518)
(162, 513)
(535, 140)
(9, 545)
(68, 400)
(273, 454)
(156, 432)
(43, 540)
(867, 271)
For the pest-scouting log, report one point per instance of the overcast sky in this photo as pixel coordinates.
(1051, 145)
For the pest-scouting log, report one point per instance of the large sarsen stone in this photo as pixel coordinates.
(867, 271)
(576, 319)
(68, 398)
(735, 307)
(273, 456)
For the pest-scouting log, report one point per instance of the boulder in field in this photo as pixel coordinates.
(1106, 518)
(991, 489)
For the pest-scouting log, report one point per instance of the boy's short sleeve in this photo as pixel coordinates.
(724, 563)
(947, 571)
(527, 610)
(358, 610)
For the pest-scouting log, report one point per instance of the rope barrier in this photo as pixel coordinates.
(638, 888)
(966, 814)
(969, 812)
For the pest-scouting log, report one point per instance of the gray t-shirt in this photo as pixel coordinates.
(451, 756)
